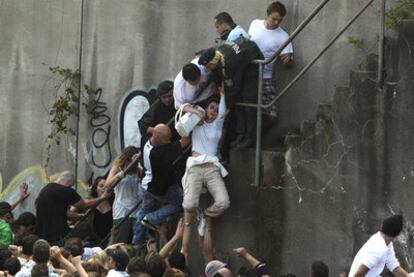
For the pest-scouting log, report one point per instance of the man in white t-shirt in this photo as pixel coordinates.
(192, 85)
(378, 252)
(269, 36)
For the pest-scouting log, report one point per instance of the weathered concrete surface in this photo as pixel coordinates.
(320, 199)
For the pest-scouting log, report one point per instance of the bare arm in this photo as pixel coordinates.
(400, 272)
(77, 262)
(113, 175)
(242, 252)
(184, 141)
(169, 246)
(64, 263)
(362, 271)
(23, 194)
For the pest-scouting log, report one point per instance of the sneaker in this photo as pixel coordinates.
(148, 224)
(201, 228)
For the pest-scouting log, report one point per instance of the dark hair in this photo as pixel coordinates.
(136, 264)
(392, 226)
(177, 260)
(156, 266)
(4, 255)
(12, 265)
(94, 192)
(27, 244)
(191, 72)
(276, 7)
(120, 258)
(41, 250)
(224, 17)
(40, 270)
(319, 269)
(74, 246)
(26, 219)
(125, 157)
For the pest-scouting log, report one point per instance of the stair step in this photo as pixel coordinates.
(325, 112)
(341, 95)
(307, 128)
(293, 140)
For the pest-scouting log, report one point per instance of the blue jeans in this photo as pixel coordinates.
(157, 209)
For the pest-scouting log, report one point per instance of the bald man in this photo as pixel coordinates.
(161, 195)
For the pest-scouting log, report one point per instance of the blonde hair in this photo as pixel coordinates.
(125, 157)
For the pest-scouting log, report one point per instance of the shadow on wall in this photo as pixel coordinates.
(35, 177)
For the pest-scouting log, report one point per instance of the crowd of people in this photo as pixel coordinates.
(122, 228)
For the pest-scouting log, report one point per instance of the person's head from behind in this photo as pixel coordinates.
(118, 259)
(222, 22)
(276, 11)
(25, 224)
(216, 268)
(4, 255)
(156, 265)
(40, 270)
(177, 260)
(161, 135)
(165, 92)
(136, 265)
(5, 212)
(74, 246)
(212, 110)
(27, 244)
(41, 251)
(66, 178)
(173, 272)
(319, 269)
(125, 158)
(98, 187)
(209, 58)
(191, 74)
(12, 265)
(392, 226)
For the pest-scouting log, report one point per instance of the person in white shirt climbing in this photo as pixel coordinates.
(203, 170)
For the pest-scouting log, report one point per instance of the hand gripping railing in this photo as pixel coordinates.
(261, 64)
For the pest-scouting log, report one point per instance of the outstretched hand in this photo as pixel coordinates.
(241, 251)
(23, 194)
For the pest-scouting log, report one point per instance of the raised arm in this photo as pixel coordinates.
(23, 194)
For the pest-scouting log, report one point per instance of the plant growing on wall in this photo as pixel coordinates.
(65, 105)
(401, 10)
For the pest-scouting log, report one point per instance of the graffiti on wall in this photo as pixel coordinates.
(133, 106)
(101, 155)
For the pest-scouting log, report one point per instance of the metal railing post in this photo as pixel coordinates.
(258, 160)
(380, 76)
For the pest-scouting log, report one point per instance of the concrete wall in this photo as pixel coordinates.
(321, 200)
(137, 44)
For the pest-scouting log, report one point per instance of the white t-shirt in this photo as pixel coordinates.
(375, 254)
(268, 42)
(115, 273)
(147, 165)
(126, 196)
(205, 137)
(184, 92)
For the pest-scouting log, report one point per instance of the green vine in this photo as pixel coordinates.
(66, 104)
(401, 10)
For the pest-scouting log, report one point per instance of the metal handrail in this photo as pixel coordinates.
(305, 69)
(298, 29)
(261, 64)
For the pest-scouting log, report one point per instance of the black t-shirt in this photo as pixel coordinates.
(51, 207)
(156, 114)
(163, 170)
(102, 223)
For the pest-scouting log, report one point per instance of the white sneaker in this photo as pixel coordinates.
(201, 228)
